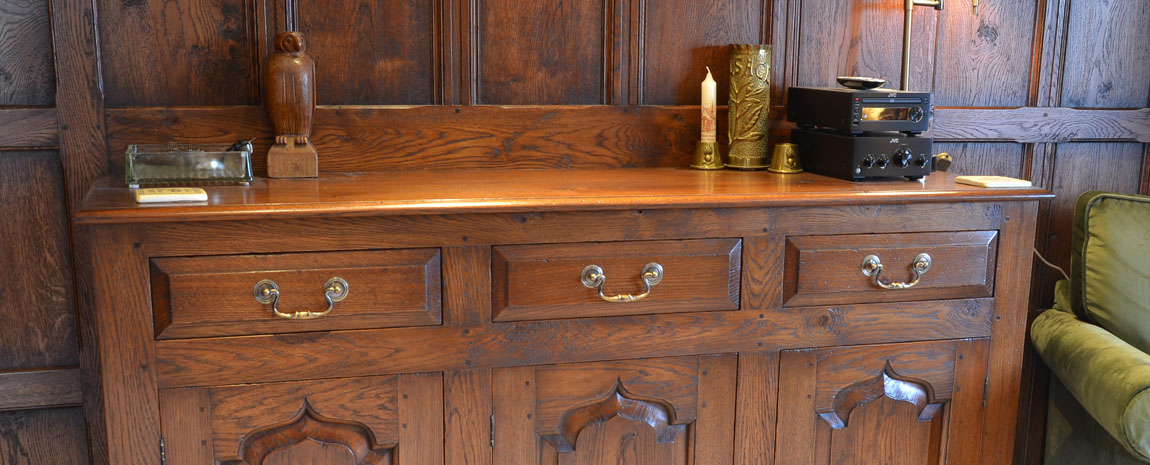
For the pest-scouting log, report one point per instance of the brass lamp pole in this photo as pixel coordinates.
(904, 83)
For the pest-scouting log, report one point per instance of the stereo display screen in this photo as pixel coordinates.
(885, 114)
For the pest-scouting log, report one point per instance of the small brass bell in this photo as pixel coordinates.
(785, 159)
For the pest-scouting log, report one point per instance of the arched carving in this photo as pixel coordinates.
(888, 383)
(308, 424)
(619, 402)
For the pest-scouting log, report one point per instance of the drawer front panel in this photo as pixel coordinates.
(213, 296)
(825, 270)
(536, 282)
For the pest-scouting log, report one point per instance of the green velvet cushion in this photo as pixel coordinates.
(1110, 378)
(1110, 265)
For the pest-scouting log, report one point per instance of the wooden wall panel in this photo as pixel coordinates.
(1107, 55)
(43, 437)
(681, 37)
(984, 158)
(26, 72)
(36, 295)
(369, 52)
(438, 137)
(862, 38)
(1079, 168)
(541, 52)
(983, 59)
(177, 52)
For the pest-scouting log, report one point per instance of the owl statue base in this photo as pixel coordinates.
(293, 161)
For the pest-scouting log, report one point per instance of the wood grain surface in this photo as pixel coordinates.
(119, 313)
(683, 37)
(539, 53)
(1034, 125)
(436, 137)
(213, 296)
(466, 285)
(851, 38)
(441, 192)
(28, 128)
(80, 99)
(964, 424)
(183, 52)
(195, 362)
(34, 437)
(1004, 370)
(36, 299)
(44, 388)
(697, 275)
(1107, 60)
(382, 57)
(27, 76)
(983, 60)
(467, 411)
(827, 270)
(985, 158)
(757, 407)
(559, 227)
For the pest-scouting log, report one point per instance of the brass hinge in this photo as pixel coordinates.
(492, 430)
(163, 452)
(985, 390)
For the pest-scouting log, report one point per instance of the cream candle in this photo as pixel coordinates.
(708, 108)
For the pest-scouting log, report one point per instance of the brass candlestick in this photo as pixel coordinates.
(707, 156)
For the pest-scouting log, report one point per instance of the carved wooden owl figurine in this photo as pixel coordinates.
(291, 89)
(290, 101)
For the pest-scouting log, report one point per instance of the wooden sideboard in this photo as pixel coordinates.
(463, 331)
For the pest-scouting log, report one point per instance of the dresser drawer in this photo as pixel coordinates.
(824, 270)
(535, 282)
(216, 296)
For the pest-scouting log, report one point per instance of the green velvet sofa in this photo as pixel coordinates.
(1096, 340)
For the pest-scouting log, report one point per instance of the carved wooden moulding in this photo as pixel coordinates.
(310, 430)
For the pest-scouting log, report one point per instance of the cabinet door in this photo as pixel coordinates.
(652, 411)
(354, 421)
(897, 404)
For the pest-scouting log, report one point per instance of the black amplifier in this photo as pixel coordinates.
(855, 111)
(856, 158)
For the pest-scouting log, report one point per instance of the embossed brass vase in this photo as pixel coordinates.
(748, 105)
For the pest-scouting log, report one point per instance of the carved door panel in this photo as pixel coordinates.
(381, 420)
(665, 411)
(897, 404)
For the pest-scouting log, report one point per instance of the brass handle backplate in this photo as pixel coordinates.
(872, 267)
(593, 277)
(267, 292)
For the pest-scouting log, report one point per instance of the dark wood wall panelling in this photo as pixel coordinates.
(40, 421)
(1051, 90)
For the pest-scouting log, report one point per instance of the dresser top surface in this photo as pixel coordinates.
(488, 191)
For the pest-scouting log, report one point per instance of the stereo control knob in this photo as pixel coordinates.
(921, 161)
(915, 114)
(868, 161)
(902, 157)
(882, 161)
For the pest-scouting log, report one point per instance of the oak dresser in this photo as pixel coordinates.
(640, 316)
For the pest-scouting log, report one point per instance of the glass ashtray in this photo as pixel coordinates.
(178, 164)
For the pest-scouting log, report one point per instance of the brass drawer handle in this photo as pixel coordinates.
(593, 278)
(872, 266)
(267, 292)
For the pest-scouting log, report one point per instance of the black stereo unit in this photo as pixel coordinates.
(857, 158)
(858, 111)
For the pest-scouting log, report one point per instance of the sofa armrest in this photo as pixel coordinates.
(1110, 378)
